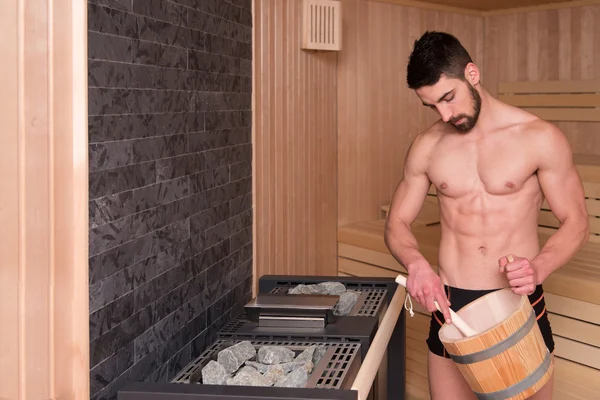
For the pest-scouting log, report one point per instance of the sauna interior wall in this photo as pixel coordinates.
(295, 146)
(562, 44)
(378, 116)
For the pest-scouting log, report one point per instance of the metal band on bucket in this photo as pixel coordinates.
(498, 347)
(519, 386)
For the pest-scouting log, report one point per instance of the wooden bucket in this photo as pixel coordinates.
(507, 358)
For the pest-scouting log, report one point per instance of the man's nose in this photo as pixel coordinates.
(445, 113)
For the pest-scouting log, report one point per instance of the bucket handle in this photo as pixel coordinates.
(460, 324)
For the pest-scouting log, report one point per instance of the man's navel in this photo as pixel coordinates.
(483, 250)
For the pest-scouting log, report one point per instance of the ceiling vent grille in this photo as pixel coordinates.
(322, 25)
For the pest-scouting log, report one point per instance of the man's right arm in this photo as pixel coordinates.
(423, 283)
(406, 204)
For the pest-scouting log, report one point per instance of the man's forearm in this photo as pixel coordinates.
(561, 247)
(403, 245)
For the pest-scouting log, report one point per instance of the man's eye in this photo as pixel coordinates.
(450, 99)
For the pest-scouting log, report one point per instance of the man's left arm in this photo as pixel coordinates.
(562, 187)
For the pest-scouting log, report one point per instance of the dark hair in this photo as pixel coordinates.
(434, 54)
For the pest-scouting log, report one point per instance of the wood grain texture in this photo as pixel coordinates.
(378, 116)
(510, 366)
(476, 7)
(44, 298)
(549, 45)
(295, 147)
(9, 203)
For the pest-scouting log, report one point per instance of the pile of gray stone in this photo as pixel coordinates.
(348, 298)
(277, 366)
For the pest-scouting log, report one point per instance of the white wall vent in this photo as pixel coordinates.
(322, 25)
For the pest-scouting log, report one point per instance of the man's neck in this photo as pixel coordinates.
(487, 116)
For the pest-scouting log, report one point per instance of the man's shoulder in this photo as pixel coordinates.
(529, 124)
(433, 133)
(423, 145)
(538, 129)
(543, 139)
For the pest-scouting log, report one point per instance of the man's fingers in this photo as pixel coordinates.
(442, 301)
(524, 290)
(519, 273)
(517, 265)
(502, 264)
(518, 282)
(445, 311)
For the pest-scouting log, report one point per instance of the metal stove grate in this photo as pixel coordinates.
(371, 300)
(337, 367)
(329, 373)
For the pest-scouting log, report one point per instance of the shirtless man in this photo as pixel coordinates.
(492, 165)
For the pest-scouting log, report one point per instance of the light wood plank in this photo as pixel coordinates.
(563, 86)
(356, 268)
(566, 114)
(414, 392)
(433, 5)
(9, 211)
(577, 352)
(552, 100)
(384, 260)
(44, 333)
(548, 219)
(519, 8)
(295, 141)
(573, 308)
(576, 379)
(574, 329)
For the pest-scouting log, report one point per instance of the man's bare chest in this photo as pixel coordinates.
(457, 171)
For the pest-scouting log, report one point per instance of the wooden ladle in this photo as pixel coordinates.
(457, 321)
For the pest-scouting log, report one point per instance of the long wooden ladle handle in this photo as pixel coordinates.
(460, 324)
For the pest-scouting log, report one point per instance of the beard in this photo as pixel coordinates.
(470, 120)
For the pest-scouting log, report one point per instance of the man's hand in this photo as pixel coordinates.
(424, 285)
(521, 275)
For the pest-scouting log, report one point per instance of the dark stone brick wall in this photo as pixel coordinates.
(170, 182)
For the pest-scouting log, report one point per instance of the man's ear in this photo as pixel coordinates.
(472, 74)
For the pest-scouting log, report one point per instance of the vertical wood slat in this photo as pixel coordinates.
(378, 116)
(295, 146)
(43, 207)
(9, 203)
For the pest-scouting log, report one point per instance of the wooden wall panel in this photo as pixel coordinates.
(43, 201)
(295, 147)
(547, 45)
(378, 116)
(9, 203)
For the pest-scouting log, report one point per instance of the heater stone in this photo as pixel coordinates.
(332, 288)
(347, 300)
(248, 376)
(214, 374)
(232, 358)
(306, 355)
(296, 378)
(318, 354)
(274, 355)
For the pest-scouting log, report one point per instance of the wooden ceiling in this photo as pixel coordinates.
(493, 5)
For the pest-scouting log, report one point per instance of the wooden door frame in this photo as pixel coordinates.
(44, 301)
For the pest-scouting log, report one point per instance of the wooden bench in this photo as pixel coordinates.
(572, 292)
(555, 100)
